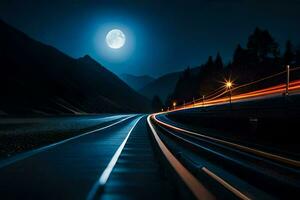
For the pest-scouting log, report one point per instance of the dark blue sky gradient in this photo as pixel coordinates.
(162, 36)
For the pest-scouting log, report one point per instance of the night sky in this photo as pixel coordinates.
(161, 37)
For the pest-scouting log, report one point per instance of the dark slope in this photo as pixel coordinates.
(136, 82)
(35, 77)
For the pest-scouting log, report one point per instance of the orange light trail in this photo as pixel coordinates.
(274, 90)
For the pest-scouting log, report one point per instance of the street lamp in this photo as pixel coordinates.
(287, 80)
(174, 105)
(229, 86)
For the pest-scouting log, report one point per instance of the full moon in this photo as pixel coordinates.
(115, 39)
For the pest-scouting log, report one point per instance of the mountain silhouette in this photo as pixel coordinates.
(164, 85)
(37, 78)
(136, 82)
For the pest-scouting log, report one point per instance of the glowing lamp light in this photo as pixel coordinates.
(228, 84)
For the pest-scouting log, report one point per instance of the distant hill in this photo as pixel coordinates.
(136, 82)
(37, 78)
(164, 85)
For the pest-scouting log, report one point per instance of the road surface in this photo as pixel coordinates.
(146, 157)
(243, 172)
(73, 169)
